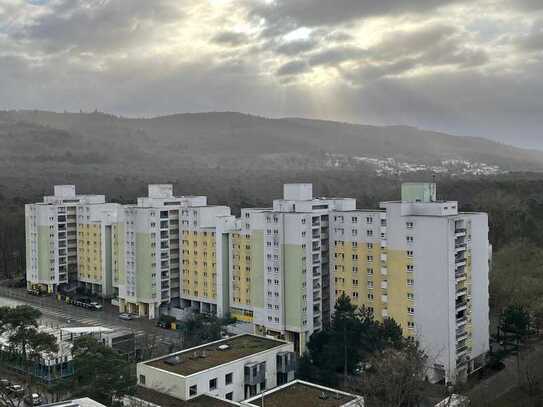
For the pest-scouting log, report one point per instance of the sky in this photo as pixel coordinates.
(465, 67)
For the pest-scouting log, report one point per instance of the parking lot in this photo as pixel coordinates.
(60, 314)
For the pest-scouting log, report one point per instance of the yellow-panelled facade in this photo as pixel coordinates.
(383, 286)
(241, 269)
(199, 276)
(358, 274)
(89, 248)
(401, 304)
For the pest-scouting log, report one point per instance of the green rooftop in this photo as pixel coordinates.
(214, 354)
(164, 400)
(299, 394)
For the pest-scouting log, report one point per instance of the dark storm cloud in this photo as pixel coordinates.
(296, 47)
(336, 55)
(231, 38)
(281, 15)
(97, 25)
(465, 70)
(292, 68)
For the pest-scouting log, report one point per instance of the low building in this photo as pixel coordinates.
(82, 402)
(233, 369)
(144, 397)
(304, 394)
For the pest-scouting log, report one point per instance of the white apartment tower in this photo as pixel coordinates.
(280, 278)
(425, 264)
(51, 238)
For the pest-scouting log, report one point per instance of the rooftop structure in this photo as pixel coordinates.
(152, 398)
(82, 402)
(233, 369)
(304, 394)
(214, 354)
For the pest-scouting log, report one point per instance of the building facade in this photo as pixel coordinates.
(425, 264)
(233, 369)
(51, 238)
(280, 274)
(418, 260)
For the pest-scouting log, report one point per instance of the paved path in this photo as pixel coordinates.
(494, 387)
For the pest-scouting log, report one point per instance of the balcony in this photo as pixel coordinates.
(461, 291)
(286, 362)
(461, 334)
(461, 321)
(460, 232)
(460, 247)
(254, 373)
(461, 350)
(461, 306)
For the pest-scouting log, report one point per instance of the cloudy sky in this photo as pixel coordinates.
(468, 67)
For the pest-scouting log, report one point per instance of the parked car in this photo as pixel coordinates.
(16, 389)
(126, 317)
(96, 306)
(34, 291)
(4, 383)
(165, 321)
(33, 399)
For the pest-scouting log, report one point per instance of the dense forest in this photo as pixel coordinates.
(514, 203)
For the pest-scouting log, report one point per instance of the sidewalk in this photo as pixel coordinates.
(497, 385)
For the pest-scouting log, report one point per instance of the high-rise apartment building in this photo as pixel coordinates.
(51, 237)
(419, 261)
(280, 275)
(424, 264)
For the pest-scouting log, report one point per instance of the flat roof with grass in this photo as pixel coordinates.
(303, 394)
(164, 400)
(214, 354)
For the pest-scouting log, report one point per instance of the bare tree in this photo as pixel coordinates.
(395, 379)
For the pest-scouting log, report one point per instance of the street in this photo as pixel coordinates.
(59, 314)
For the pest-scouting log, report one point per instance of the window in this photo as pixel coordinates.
(369, 220)
(142, 379)
(410, 296)
(410, 282)
(370, 271)
(410, 310)
(410, 325)
(193, 390)
(410, 253)
(370, 297)
(370, 245)
(409, 268)
(229, 396)
(213, 384)
(409, 239)
(409, 225)
(370, 259)
(369, 233)
(228, 378)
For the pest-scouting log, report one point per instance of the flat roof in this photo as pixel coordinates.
(187, 362)
(82, 402)
(165, 400)
(303, 394)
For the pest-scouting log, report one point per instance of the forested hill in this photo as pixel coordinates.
(231, 140)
